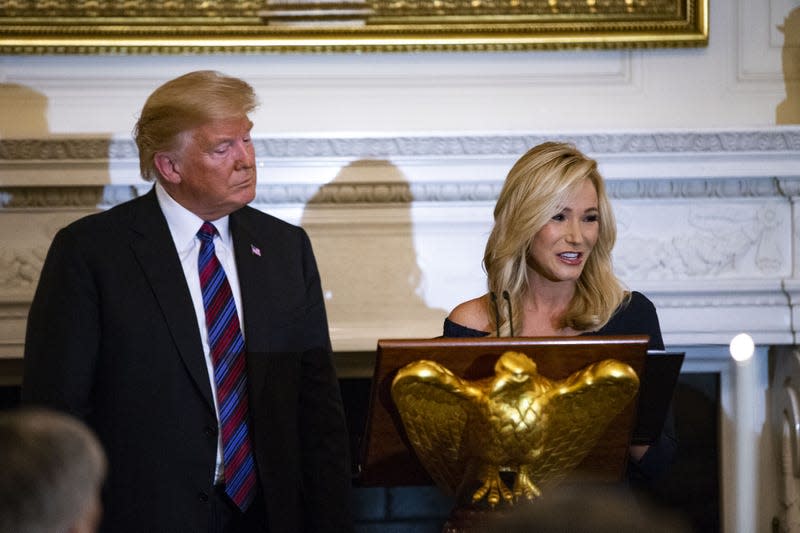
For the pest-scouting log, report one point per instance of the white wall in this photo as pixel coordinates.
(736, 81)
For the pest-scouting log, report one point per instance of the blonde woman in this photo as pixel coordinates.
(548, 263)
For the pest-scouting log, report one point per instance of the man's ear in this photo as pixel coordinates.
(166, 167)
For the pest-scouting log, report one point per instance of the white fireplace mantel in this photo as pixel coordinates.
(707, 222)
(706, 219)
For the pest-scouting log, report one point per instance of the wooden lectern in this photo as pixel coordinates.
(388, 458)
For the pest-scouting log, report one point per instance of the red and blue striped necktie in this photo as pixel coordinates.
(226, 344)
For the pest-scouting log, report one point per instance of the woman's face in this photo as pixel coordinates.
(560, 249)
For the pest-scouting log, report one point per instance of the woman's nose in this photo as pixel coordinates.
(574, 233)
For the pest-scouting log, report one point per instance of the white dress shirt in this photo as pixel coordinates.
(184, 225)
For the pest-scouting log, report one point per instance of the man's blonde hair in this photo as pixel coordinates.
(185, 103)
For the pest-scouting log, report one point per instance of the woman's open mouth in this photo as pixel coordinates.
(571, 258)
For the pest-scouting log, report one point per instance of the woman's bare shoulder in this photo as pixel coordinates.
(471, 314)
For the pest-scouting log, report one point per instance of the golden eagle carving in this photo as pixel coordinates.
(466, 433)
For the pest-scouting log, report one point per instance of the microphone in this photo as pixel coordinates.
(510, 316)
(496, 313)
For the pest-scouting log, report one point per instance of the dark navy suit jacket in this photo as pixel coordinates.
(113, 339)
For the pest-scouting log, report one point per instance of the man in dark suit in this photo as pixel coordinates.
(200, 358)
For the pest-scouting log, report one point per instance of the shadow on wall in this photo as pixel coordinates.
(366, 256)
(23, 242)
(26, 136)
(71, 171)
(23, 112)
(362, 230)
(788, 111)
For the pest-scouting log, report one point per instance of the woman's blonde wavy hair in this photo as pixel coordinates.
(535, 190)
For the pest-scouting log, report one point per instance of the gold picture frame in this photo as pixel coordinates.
(245, 26)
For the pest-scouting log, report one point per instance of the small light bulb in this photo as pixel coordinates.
(742, 347)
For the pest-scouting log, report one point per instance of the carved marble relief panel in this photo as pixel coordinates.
(725, 239)
(24, 239)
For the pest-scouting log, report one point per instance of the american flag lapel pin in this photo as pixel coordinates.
(255, 250)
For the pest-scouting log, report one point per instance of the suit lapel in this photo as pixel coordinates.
(254, 282)
(156, 254)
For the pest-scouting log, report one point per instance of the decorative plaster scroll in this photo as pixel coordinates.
(377, 193)
(700, 188)
(504, 145)
(399, 193)
(49, 149)
(90, 196)
(340, 193)
(29, 197)
(422, 146)
(789, 187)
(266, 195)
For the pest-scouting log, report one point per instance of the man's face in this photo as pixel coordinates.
(214, 169)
